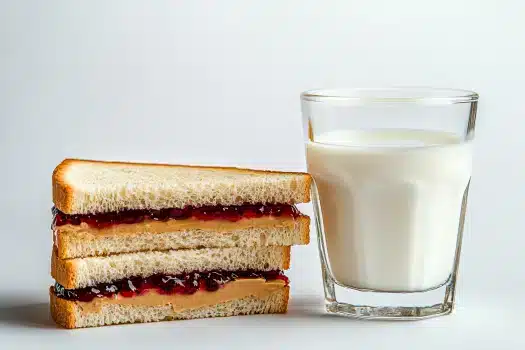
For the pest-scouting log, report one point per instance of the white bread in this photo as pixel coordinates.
(75, 241)
(68, 314)
(83, 272)
(85, 186)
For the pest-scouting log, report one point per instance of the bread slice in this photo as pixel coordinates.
(69, 314)
(86, 186)
(84, 272)
(75, 241)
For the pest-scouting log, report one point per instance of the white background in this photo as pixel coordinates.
(218, 82)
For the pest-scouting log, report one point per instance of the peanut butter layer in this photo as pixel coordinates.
(153, 226)
(237, 289)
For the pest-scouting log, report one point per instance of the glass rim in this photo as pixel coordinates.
(406, 94)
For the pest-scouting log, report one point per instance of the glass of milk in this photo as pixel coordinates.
(391, 171)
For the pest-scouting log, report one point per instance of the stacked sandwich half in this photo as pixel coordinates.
(149, 242)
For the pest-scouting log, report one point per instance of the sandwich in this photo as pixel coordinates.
(136, 242)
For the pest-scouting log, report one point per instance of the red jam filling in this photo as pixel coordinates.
(230, 213)
(187, 283)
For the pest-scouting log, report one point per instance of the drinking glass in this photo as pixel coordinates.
(391, 170)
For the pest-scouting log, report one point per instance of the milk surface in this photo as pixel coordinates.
(391, 204)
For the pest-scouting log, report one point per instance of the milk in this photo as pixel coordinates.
(391, 204)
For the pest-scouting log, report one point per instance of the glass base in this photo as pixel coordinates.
(399, 313)
(378, 305)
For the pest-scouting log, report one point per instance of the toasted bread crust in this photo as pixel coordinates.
(63, 193)
(63, 270)
(305, 229)
(62, 311)
(61, 246)
(287, 258)
(286, 300)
